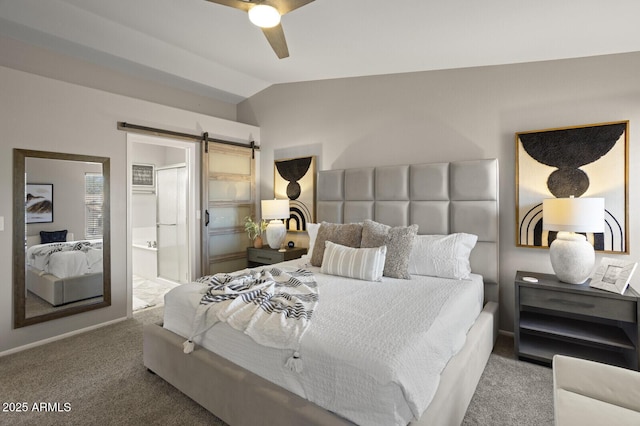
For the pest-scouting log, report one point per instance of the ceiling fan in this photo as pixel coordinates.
(266, 15)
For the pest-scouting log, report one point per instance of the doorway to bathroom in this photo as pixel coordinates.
(162, 223)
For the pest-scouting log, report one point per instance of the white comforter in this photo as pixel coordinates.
(374, 351)
(68, 259)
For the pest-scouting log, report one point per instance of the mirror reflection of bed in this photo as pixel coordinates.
(62, 274)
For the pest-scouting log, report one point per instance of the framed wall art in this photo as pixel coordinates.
(39, 203)
(580, 161)
(143, 177)
(295, 179)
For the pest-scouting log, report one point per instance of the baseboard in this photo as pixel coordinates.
(60, 337)
(506, 333)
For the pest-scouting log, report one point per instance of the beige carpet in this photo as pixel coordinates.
(511, 392)
(97, 378)
(101, 376)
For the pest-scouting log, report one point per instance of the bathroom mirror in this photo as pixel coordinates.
(61, 235)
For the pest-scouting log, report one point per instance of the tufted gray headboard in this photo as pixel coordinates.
(442, 198)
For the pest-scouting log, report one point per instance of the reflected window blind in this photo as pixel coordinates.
(94, 204)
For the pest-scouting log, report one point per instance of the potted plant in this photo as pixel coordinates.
(254, 230)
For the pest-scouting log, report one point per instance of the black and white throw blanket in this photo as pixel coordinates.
(272, 306)
(39, 256)
(46, 250)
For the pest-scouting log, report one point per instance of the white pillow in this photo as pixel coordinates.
(360, 263)
(312, 230)
(445, 256)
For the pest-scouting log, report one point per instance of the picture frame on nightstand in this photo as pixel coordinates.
(613, 275)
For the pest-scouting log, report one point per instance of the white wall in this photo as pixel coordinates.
(44, 114)
(452, 115)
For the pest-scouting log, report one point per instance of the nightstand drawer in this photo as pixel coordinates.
(615, 309)
(265, 256)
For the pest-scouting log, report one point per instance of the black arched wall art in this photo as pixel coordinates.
(295, 179)
(580, 161)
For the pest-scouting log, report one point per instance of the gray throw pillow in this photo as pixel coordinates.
(399, 241)
(348, 234)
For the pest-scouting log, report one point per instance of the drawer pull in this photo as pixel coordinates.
(263, 257)
(572, 303)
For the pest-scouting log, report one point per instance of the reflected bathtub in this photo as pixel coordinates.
(145, 260)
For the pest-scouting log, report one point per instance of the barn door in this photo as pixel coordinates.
(228, 197)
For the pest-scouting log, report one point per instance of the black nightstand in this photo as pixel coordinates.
(552, 317)
(269, 256)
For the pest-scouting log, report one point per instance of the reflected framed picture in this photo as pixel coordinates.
(579, 161)
(295, 179)
(39, 203)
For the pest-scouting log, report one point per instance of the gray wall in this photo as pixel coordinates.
(452, 115)
(393, 119)
(35, 60)
(51, 115)
(68, 182)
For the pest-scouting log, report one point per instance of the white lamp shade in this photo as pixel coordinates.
(264, 16)
(275, 209)
(573, 214)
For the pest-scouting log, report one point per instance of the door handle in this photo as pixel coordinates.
(206, 215)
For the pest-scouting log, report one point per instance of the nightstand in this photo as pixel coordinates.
(269, 256)
(552, 317)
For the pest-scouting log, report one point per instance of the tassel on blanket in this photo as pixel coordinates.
(188, 346)
(294, 363)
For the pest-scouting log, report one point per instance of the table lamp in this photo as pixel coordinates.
(275, 210)
(572, 256)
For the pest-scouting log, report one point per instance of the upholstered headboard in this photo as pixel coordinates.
(442, 198)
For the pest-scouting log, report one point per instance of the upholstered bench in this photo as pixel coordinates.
(591, 393)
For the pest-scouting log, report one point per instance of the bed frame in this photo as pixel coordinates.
(441, 198)
(60, 291)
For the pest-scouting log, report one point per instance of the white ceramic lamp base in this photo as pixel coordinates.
(276, 231)
(572, 257)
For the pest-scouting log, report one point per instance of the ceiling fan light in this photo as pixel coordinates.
(264, 16)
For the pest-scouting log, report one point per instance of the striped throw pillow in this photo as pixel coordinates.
(360, 263)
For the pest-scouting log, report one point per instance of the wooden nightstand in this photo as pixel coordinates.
(552, 317)
(269, 256)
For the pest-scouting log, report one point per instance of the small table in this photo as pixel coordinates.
(268, 256)
(552, 317)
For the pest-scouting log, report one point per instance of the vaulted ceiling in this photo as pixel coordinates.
(214, 50)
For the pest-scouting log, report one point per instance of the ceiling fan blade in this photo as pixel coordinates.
(275, 37)
(236, 4)
(286, 6)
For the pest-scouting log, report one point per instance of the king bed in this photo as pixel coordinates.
(404, 274)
